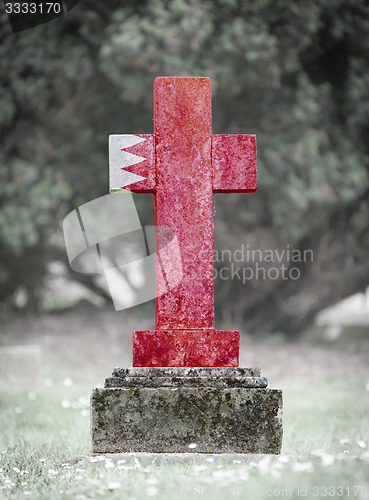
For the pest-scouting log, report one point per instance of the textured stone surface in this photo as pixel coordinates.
(186, 377)
(252, 382)
(185, 348)
(217, 420)
(186, 372)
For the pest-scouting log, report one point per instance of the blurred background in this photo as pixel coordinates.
(296, 74)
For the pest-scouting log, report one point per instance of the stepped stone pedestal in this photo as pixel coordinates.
(169, 410)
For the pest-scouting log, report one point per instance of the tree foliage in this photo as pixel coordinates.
(294, 73)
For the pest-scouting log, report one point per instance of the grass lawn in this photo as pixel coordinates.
(325, 451)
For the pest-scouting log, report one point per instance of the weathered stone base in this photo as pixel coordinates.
(127, 416)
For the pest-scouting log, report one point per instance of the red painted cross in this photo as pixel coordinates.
(183, 164)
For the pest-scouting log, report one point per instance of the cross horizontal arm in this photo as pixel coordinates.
(132, 162)
(233, 160)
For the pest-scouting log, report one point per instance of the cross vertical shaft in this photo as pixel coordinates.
(183, 199)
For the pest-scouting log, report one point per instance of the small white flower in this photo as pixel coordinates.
(303, 467)
(18, 410)
(192, 446)
(52, 472)
(109, 465)
(65, 403)
(218, 473)
(42, 460)
(243, 474)
(277, 465)
(85, 413)
(94, 459)
(199, 467)
(67, 382)
(124, 467)
(32, 396)
(114, 485)
(26, 492)
(340, 456)
(327, 460)
(361, 444)
(83, 401)
(152, 491)
(264, 464)
(15, 469)
(152, 480)
(210, 459)
(275, 473)
(318, 453)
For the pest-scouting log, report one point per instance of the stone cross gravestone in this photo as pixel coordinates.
(183, 164)
(185, 386)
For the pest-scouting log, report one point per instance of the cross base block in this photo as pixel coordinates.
(201, 410)
(206, 347)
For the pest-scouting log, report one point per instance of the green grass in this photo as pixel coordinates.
(325, 431)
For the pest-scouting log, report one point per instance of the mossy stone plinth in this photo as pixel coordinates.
(169, 419)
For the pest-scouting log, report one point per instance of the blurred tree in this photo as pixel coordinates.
(294, 73)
